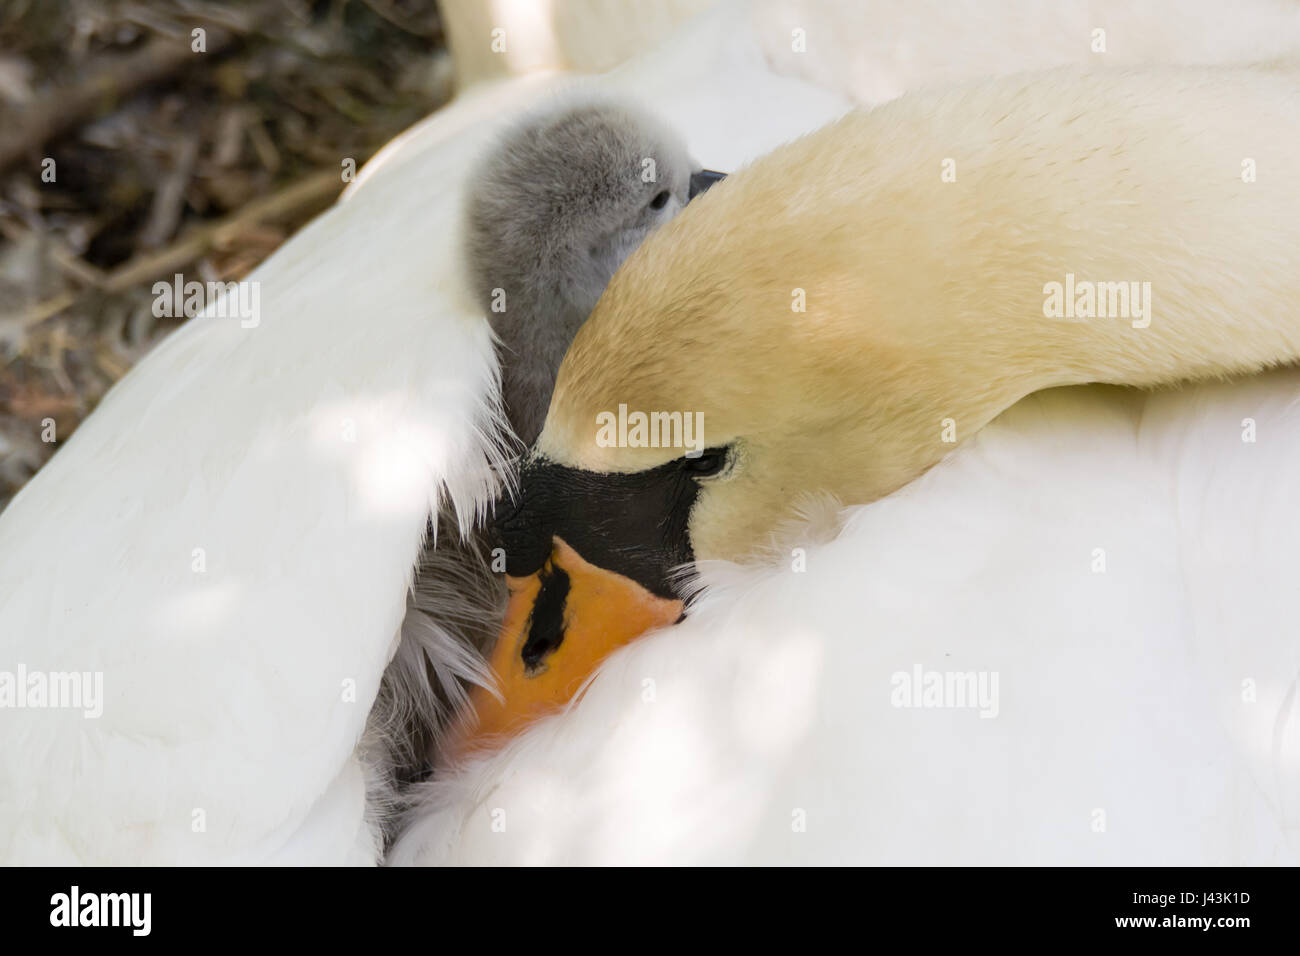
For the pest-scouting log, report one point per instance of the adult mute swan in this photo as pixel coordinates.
(229, 538)
(835, 318)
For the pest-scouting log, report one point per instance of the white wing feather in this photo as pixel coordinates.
(229, 538)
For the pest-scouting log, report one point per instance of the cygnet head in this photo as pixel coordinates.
(560, 201)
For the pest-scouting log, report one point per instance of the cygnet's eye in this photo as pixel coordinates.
(660, 200)
(706, 464)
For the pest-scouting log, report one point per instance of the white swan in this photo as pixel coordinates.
(228, 537)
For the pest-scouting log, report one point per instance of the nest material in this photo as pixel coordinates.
(167, 160)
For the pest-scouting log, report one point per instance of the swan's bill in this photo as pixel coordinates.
(543, 655)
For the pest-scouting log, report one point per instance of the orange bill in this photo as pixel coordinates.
(560, 624)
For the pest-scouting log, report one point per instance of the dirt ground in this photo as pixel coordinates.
(144, 138)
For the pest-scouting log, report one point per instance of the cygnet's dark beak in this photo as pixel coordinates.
(702, 180)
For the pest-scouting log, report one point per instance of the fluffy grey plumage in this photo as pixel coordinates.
(555, 209)
(453, 612)
(559, 202)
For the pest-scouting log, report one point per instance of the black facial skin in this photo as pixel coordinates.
(632, 524)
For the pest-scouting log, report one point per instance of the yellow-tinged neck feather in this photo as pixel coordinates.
(924, 238)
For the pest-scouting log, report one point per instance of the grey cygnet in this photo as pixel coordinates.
(561, 200)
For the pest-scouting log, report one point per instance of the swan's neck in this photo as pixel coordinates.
(875, 293)
(1103, 242)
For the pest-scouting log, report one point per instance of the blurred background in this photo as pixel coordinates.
(128, 155)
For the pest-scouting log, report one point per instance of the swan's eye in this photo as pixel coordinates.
(709, 463)
(660, 200)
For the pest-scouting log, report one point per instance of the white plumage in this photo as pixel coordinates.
(1120, 694)
(295, 463)
(298, 477)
